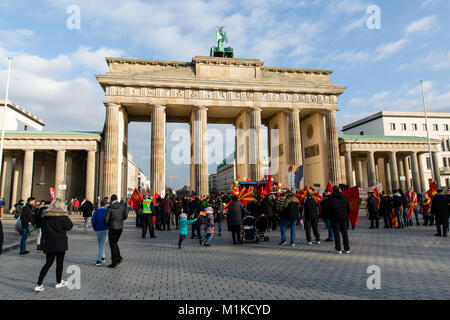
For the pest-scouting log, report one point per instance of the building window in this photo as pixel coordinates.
(444, 161)
(25, 128)
(446, 127)
(447, 182)
(392, 126)
(443, 145)
(428, 163)
(361, 133)
(435, 127)
(448, 144)
(403, 126)
(424, 127)
(414, 126)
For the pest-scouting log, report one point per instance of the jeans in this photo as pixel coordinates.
(405, 217)
(114, 236)
(138, 220)
(102, 237)
(23, 241)
(219, 224)
(416, 214)
(399, 215)
(283, 225)
(86, 223)
(207, 237)
(387, 216)
(38, 236)
(50, 258)
(330, 229)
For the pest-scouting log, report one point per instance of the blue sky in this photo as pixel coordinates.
(54, 67)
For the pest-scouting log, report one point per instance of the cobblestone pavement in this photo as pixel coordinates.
(414, 265)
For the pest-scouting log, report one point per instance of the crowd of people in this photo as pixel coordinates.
(51, 220)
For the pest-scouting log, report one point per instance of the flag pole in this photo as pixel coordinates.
(428, 132)
(4, 115)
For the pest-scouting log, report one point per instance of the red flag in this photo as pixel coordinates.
(245, 196)
(394, 219)
(352, 195)
(225, 207)
(268, 187)
(156, 196)
(411, 198)
(52, 193)
(432, 191)
(376, 193)
(302, 194)
(291, 168)
(135, 200)
(329, 187)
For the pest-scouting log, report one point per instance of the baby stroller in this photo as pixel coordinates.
(254, 229)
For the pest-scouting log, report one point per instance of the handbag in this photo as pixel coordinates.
(30, 228)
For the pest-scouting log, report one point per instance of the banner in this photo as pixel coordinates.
(353, 197)
(302, 194)
(245, 196)
(363, 192)
(135, 200)
(52, 193)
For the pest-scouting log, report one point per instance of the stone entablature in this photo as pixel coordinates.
(387, 145)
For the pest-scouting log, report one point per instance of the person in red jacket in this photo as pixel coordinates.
(167, 207)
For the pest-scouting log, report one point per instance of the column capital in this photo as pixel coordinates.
(112, 105)
(158, 106)
(256, 109)
(200, 107)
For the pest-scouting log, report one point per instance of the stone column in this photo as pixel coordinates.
(348, 168)
(199, 156)
(415, 173)
(406, 172)
(334, 173)
(158, 150)
(401, 172)
(90, 176)
(6, 177)
(112, 149)
(60, 173)
(371, 174)
(394, 171)
(359, 173)
(387, 174)
(255, 146)
(16, 182)
(295, 137)
(423, 183)
(436, 169)
(27, 178)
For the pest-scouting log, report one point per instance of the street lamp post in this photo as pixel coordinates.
(4, 115)
(428, 132)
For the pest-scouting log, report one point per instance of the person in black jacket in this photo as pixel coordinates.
(372, 207)
(289, 218)
(37, 215)
(340, 209)
(27, 220)
(195, 209)
(325, 205)
(115, 215)
(439, 208)
(55, 224)
(266, 208)
(311, 217)
(87, 208)
(386, 209)
(236, 213)
(398, 208)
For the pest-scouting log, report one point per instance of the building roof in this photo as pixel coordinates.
(394, 114)
(70, 133)
(381, 137)
(22, 111)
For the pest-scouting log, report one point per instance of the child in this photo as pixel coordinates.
(183, 231)
(209, 227)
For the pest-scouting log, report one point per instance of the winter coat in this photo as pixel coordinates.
(27, 216)
(209, 223)
(98, 219)
(439, 206)
(115, 216)
(253, 208)
(291, 210)
(195, 208)
(87, 208)
(340, 207)
(280, 204)
(55, 224)
(385, 203)
(183, 231)
(325, 205)
(177, 207)
(267, 207)
(37, 215)
(397, 200)
(235, 213)
(310, 208)
(372, 207)
(167, 206)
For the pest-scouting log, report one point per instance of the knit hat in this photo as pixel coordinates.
(209, 210)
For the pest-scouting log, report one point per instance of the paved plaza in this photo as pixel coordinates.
(414, 265)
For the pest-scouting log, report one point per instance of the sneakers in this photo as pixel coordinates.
(308, 243)
(62, 284)
(347, 251)
(282, 243)
(200, 241)
(292, 244)
(112, 265)
(25, 252)
(207, 244)
(39, 288)
(317, 242)
(103, 260)
(336, 251)
(98, 263)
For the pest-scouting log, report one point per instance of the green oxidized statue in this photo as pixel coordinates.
(220, 50)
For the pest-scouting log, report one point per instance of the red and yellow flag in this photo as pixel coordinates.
(411, 198)
(302, 193)
(245, 196)
(394, 219)
(432, 191)
(135, 200)
(225, 207)
(329, 187)
(155, 196)
(352, 195)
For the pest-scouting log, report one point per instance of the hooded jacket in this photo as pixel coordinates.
(291, 210)
(340, 207)
(55, 224)
(115, 215)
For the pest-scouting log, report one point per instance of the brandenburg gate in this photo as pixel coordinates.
(300, 103)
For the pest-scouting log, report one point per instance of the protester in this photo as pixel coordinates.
(325, 205)
(167, 208)
(177, 209)
(412, 201)
(340, 209)
(183, 230)
(86, 208)
(27, 220)
(310, 217)
(195, 209)
(114, 218)
(398, 208)
(405, 209)
(439, 208)
(55, 224)
(218, 215)
(386, 209)
(426, 211)
(290, 216)
(266, 208)
(235, 214)
(372, 207)
(146, 209)
(209, 227)
(101, 231)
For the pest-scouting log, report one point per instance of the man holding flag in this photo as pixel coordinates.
(411, 198)
(147, 217)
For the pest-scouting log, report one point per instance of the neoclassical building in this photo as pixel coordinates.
(298, 106)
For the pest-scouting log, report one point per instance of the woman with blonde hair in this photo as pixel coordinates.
(55, 224)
